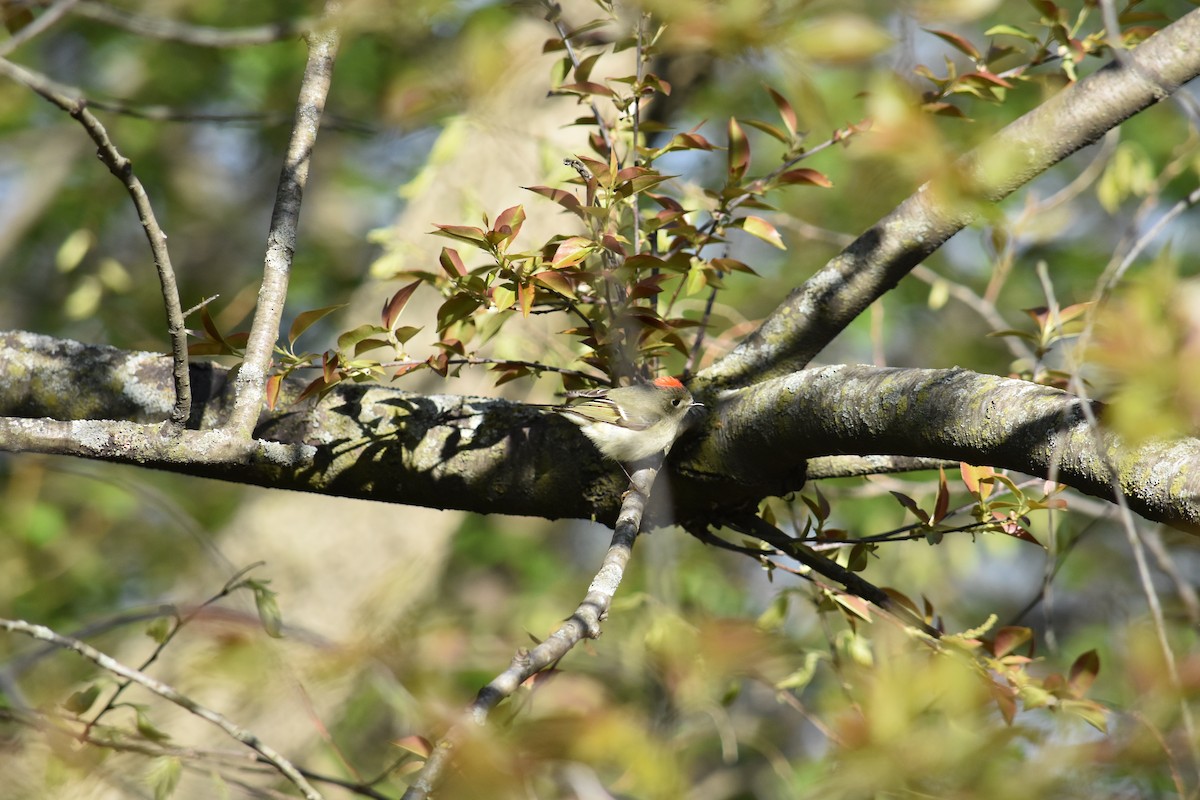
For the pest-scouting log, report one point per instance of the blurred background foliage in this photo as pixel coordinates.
(714, 679)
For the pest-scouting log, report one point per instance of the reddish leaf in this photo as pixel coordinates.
(613, 244)
(912, 506)
(509, 222)
(464, 233)
(393, 307)
(769, 130)
(586, 88)
(805, 175)
(942, 504)
(417, 745)
(688, 141)
(958, 43)
(1008, 639)
(786, 112)
(525, 294)
(452, 263)
(273, 385)
(1083, 672)
(988, 77)
(564, 198)
(731, 265)
(572, 250)
(318, 385)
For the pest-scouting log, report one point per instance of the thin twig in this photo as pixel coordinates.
(161, 689)
(180, 621)
(583, 624)
(45, 20)
(554, 17)
(199, 35)
(760, 529)
(75, 104)
(250, 385)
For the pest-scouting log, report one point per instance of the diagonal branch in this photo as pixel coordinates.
(73, 103)
(873, 264)
(161, 689)
(250, 387)
(583, 624)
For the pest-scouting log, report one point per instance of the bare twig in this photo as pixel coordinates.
(180, 621)
(45, 20)
(250, 386)
(198, 35)
(554, 17)
(73, 103)
(583, 624)
(760, 529)
(161, 689)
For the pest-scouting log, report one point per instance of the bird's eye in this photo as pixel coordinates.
(677, 401)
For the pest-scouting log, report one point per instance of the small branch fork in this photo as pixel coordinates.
(584, 623)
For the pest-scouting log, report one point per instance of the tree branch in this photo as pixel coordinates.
(161, 689)
(583, 624)
(766, 430)
(198, 35)
(281, 238)
(493, 456)
(73, 103)
(873, 264)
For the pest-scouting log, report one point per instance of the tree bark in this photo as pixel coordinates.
(494, 456)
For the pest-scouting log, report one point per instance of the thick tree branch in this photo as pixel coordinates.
(873, 264)
(285, 219)
(493, 456)
(949, 414)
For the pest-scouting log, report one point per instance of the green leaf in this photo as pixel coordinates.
(350, 339)
(739, 151)
(159, 629)
(146, 728)
(503, 297)
(457, 308)
(79, 702)
(163, 776)
(1010, 30)
(305, 320)
(757, 226)
(770, 130)
(268, 609)
(556, 281)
